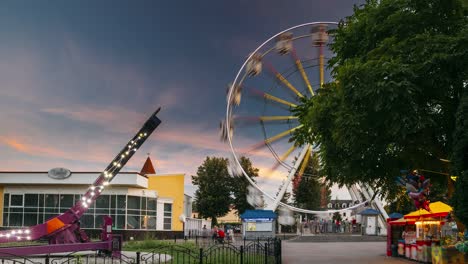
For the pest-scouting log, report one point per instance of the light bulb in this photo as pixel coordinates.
(20, 231)
(115, 163)
(83, 198)
(89, 201)
(134, 149)
(85, 205)
(110, 175)
(145, 134)
(18, 238)
(92, 187)
(28, 238)
(1, 235)
(126, 152)
(27, 231)
(132, 141)
(118, 165)
(7, 235)
(92, 193)
(105, 183)
(13, 232)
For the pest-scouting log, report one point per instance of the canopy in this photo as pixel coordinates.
(438, 209)
(395, 216)
(369, 211)
(402, 221)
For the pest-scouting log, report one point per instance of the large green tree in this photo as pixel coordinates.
(460, 161)
(400, 67)
(213, 196)
(239, 186)
(307, 194)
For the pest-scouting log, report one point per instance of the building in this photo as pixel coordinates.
(135, 200)
(341, 204)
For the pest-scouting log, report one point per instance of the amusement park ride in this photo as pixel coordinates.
(63, 231)
(267, 112)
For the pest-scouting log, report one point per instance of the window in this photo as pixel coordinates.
(330, 205)
(343, 205)
(167, 216)
(16, 200)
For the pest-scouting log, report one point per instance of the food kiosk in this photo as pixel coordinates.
(436, 236)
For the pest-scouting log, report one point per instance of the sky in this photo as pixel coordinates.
(78, 78)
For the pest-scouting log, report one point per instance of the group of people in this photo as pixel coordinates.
(219, 234)
(329, 226)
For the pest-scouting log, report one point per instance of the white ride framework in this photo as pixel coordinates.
(267, 112)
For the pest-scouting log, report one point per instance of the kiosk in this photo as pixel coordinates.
(258, 224)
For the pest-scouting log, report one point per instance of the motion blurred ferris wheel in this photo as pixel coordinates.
(259, 122)
(274, 79)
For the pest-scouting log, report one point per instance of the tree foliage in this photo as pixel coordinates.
(239, 186)
(212, 198)
(460, 161)
(307, 195)
(399, 67)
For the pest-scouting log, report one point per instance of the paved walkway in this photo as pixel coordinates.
(337, 253)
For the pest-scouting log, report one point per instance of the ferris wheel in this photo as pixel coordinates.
(274, 79)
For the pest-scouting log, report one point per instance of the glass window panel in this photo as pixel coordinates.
(133, 202)
(16, 200)
(16, 219)
(66, 201)
(98, 221)
(133, 222)
(102, 201)
(51, 200)
(143, 203)
(102, 211)
(167, 220)
(121, 201)
(30, 219)
(87, 221)
(151, 222)
(5, 219)
(31, 200)
(152, 204)
(41, 200)
(16, 209)
(120, 224)
(51, 210)
(30, 209)
(167, 214)
(113, 201)
(6, 200)
(167, 226)
(133, 212)
(167, 207)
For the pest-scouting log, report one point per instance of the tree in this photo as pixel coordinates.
(460, 161)
(239, 186)
(212, 198)
(400, 67)
(307, 195)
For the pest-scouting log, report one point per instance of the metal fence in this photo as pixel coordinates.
(256, 251)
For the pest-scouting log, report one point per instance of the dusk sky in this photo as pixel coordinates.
(78, 78)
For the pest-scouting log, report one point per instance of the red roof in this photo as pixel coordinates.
(148, 167)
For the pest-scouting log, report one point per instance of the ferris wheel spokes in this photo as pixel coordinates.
(291, 174)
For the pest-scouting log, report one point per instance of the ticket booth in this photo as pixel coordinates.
(369, 221)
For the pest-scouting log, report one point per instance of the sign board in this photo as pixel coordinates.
(59, 173)
(258, 219)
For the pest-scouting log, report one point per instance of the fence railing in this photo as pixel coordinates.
(252, 251)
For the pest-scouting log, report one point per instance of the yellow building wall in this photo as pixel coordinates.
(170, 186)
(230, 217)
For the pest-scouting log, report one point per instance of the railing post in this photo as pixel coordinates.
(47, 259)
(201, 256)
(266, 253)
(175, 238)
(241, 254)
(138, 257)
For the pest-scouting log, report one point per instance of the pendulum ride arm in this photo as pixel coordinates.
(69, 219)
